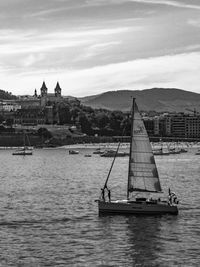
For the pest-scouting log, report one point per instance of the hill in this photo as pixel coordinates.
(158, 99)
(6, 95)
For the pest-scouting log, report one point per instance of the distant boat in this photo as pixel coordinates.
(25, 150)
(87, 155)
(160, 152)
(113, 153)
(198, 152)
(174, 151)
(98, 151)
(177, 150)
(143, 178)
(73, 152)
(183, 150)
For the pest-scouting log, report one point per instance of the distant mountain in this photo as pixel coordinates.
(157, 99)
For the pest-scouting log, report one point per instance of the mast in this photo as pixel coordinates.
(24, 139)
(130, 150)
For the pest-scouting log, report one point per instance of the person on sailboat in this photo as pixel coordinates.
(109, 195)
(172, 198)
(103, 194)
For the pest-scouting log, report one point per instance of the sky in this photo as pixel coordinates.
(94, 46)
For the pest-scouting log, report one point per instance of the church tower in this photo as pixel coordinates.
(43, 90)
(57, 90)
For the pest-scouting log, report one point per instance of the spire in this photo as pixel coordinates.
(43, 86)
(43, 89)
(58, 90)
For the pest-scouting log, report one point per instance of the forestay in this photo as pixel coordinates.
(143, 174)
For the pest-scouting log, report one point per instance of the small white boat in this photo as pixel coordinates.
(143, 179)
(23, 152)
(113, 153)
(73, 152)
(174, 151)
(87, 155)
(198, 152)
(98, 151)
(160, 152)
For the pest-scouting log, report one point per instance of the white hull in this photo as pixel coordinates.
(73, 152)
(137, 207)
(22, 153)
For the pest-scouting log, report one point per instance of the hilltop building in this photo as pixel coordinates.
(46, 98)
(37, 109)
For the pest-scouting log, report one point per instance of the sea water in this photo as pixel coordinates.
(49, 217)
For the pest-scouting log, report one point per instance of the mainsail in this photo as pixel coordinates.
(143, 174)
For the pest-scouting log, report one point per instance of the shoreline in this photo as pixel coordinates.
(14, 141)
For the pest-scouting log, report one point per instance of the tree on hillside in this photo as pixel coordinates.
(6, 95)
(102, 119)
(85, 124)
(64, 114)
(116, 118)
(74, 112)
(44, 132)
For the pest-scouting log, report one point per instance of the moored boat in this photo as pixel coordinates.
(113, 153)
(198, 152)
(98, 151)
(160, 152)
(73, 152)
(25, 150)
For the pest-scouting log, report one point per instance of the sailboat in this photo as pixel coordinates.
(25, 150)
(143, 178)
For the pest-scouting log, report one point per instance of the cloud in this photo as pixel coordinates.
(26, 42)
(97, 45)
(167, 2)
(156, 2)
(194, 22)
(31, 59)
(181, 71)
(95, 50)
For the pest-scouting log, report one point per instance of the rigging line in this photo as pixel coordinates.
(105, 185)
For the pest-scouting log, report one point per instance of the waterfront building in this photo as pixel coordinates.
(149, 125)
(192, 126)
(174, 125)
(178, 125)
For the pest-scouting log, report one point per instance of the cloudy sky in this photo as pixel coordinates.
(93, 46)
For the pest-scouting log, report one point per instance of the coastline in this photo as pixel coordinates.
(16, 140)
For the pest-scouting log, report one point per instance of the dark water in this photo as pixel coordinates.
(48, 216)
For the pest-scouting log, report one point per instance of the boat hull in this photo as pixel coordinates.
(22, 153)
(134, 207)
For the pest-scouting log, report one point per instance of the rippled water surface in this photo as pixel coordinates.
(48, 216)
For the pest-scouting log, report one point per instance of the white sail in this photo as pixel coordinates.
(143, 174)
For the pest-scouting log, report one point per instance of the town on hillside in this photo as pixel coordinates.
(53, 119)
